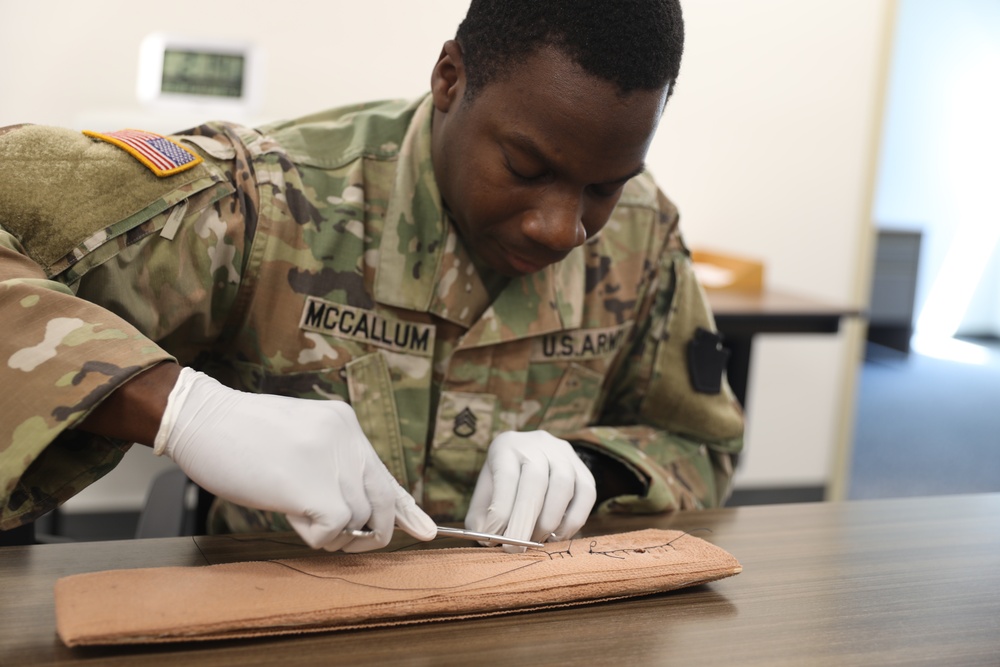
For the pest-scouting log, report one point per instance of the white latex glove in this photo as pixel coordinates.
(532, 486)
(307, 459)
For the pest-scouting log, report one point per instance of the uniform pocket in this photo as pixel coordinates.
(573, 403)
(370, 388)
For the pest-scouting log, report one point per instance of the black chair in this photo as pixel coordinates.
(175, 506)
(18, 536)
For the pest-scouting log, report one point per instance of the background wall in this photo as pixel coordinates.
(767, 146)
(61, 61)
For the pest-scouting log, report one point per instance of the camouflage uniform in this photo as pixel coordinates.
(313, 259)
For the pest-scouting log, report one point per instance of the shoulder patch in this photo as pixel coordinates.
(59, 188)
(163, 156)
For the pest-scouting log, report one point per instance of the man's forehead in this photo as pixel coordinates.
(551, 77)
(555, 124)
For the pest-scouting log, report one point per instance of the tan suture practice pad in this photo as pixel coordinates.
(341, 591)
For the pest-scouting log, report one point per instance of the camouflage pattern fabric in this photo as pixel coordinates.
(313, 259)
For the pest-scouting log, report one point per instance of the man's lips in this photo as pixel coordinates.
(518, 259)
(523, 265)
(526, 264)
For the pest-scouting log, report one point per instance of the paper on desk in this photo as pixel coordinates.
(711, 275)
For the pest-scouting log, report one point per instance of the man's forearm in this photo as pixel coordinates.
(133, 412)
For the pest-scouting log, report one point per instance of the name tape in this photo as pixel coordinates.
(366, 326)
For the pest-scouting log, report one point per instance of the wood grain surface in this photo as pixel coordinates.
(909, 581)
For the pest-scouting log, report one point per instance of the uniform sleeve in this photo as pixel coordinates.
(104, 269)
(669, 425)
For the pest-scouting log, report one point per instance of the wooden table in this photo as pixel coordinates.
(910, 581)
(741, 315)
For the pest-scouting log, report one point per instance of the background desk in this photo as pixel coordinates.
(740, 316)
(864, 583)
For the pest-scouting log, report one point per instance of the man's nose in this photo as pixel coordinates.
(557, 223)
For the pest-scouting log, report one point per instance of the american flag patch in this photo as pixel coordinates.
(162, 155)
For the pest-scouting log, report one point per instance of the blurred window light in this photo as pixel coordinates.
(949, 349)
(970, 170)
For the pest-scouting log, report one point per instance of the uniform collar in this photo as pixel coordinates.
(424, 266)
(540, 303)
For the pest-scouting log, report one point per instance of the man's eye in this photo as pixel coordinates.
(605, 190)
(521, 176)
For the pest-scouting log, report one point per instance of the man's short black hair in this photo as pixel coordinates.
(636, 44)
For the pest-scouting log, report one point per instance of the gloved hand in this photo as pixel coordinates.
(308, 459)
(532, 486)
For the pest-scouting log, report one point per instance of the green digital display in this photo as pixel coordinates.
(202, 73)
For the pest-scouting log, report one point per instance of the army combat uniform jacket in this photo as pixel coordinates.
(314, 259)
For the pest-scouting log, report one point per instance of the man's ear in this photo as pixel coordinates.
(448, 77)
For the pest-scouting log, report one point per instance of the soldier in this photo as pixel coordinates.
(476, 305)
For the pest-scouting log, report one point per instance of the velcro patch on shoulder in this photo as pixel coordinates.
(162, 155)
(60, 188)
